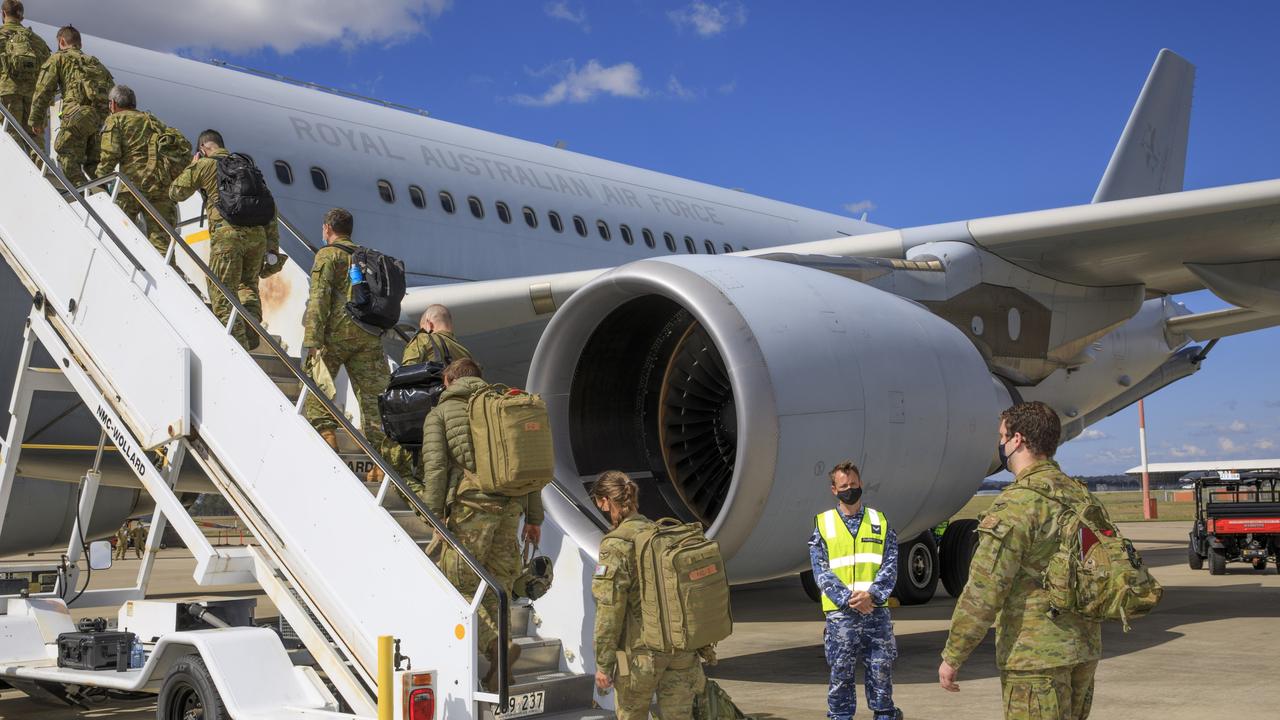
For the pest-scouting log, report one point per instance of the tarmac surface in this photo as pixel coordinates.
(1209, 650)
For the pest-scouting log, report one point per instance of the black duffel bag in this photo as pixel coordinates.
(411, 393)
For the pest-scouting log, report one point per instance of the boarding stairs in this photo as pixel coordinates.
(341, 560)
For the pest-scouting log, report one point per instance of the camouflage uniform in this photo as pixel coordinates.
(849, 634)
(126, 138)
(122, 541)
(485, 524)
(329, 328)
(236, 252)
(419, 350)
(81, 116)
(138, 534)
(636, 671)
(1046, 662)
(16, 95)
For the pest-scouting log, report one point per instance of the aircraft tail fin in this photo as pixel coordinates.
(1152, 153)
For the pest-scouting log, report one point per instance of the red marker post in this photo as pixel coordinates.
(1148, 503)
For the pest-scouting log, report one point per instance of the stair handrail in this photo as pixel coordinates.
(488, 582)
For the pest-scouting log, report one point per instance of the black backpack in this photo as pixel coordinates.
(410, 395)
(376, 300)
(243, 196)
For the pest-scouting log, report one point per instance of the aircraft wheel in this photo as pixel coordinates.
(958, 545)
(1217, 562)
(189, 693)
(1194, 560)
(917, 570)
(810, 586)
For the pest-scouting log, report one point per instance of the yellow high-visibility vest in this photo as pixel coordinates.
(854, 560)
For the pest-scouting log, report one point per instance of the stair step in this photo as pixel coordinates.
(538, 655)
(565, 693)
(592, 714)
(521, 620)
(420, 530)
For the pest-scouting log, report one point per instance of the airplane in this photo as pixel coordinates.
(723, 348)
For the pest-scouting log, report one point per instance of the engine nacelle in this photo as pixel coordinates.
(729, 386)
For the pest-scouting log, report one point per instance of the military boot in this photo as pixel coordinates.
(375, 474)
(490, 680)
(331, 438)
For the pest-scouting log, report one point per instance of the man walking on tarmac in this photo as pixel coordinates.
(1047, 660)
(854, 554)
(22, 53)
(333, 338)
(84, 83)
(485, 523)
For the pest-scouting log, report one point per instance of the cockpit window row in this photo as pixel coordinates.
(418, 198)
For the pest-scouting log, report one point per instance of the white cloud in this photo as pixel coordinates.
(579, 86)
(677, 89)
(1264, 444)
(857, 208)
(707, 19)
(1186, 451)
(1238, 426)
(239, 26)
(728, 88)
(560, 10)
(1112, 456)
(1092, 434)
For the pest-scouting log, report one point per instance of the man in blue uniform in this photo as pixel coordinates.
(855, 561)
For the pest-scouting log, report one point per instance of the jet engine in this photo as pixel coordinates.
(728, 387)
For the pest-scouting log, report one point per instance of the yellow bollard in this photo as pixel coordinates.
(386, 706)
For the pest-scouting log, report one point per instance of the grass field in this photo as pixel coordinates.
(1122, 506)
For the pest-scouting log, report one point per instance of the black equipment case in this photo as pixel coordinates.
(94, 650)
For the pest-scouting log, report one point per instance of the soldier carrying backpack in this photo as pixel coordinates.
(662, 603)
(150, 153)
(1051, 567)
(22, 52)
(84, 83)
(486, 455)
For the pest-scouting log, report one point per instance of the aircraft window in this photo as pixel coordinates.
(710, 246)
(627, 237)
(477, 207)
(319, 179)
(504, 212)
(446, 202)
(417, 197)
(728, 248)
(556, 223)
(648, 237)
(284, 173)
(670, 240)
(689, 246)
(386, 192)
(530, 217)
(580, 225)
(603, 228)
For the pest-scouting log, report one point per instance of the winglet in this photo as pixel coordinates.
(1152, 152)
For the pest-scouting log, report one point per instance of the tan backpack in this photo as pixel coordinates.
(511, 434)
(684, 590)
(168, 154)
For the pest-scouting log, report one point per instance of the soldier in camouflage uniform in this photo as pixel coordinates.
(333, 337)
(138, 535)
(1046, 661)
(127, 139)
(858, 621)
(485, 524)
(122, 539)
(622, 660)
(20, 64)
(84, 82)
(236, 253)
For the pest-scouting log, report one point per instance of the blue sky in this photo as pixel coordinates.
(919, 113)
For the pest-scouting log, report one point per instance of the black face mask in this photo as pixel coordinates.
(1004, 457)
(849, 496)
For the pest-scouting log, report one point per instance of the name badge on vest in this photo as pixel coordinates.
(876, 541)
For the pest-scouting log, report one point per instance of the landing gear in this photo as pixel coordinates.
(917, 570)
(958, 545)
(188, 693)
(810, 586)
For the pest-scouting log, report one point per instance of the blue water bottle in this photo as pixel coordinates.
(356, 274)
(137, 658)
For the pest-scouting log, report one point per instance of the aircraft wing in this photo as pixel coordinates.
(1226, 239)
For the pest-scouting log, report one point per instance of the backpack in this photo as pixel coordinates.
(411, 393)
(1096, 572)
(168, 153)
(511, 434)
(715, 704)
(20, 60)
(243, 197)
(684, 590)
(90, 81)
(375, 301)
